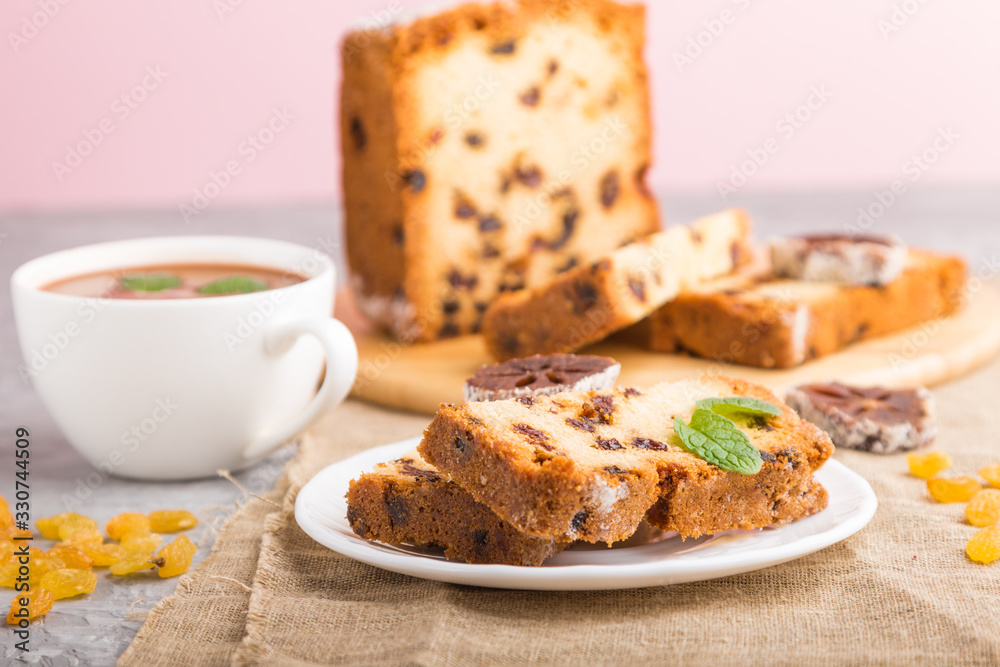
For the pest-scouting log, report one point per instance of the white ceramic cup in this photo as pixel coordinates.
(170, 389)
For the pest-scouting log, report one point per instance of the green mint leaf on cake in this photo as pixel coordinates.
(149, 282)
(742, 406)
(717, 440)
(233, 285)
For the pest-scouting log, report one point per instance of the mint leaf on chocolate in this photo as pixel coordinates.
(149, 282)
(743, 406)
(232, 285)
(717, 440)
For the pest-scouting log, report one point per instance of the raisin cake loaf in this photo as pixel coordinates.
(588, 303)
(407, 501)
(489, 148)
(759, 320)
(588, 465)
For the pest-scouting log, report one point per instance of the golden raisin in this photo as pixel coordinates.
(83, 537)
(177, 556)
(10, 532)
(984, 547)
(48, 526)
(34, 567)
(104, 555)
(927, 465)
(67, 583)
(133, 562)
(170, 521)
(992, 475)
(984, 508)
(141, 543)
(127, 522)
(72, 557)
(952, 489)
(6, 551)
(74, 522)
(27, 606)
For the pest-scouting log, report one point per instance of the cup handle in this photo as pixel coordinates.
(341, 369)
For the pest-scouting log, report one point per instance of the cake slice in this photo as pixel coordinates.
(487, 148)
(407, 501)
(759, 320)
(589, 465)
(588, 303)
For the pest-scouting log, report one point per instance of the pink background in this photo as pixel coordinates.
(225, 72)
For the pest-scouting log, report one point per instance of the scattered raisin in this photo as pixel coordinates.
(768, 456)
(609, 189)
(133, 562)
(67, 583)
(615, 470)
(479, 537)
(526, 400)
(128, 522)
(358, 133)
(992, 475)
(984, 508)
(474, 139)
(177, 557)
(104, 555)
(449, 330)
(927, 465)
(437, 134)
(584, 297)
(984, 547)
(459, 443)
(136, 543)
(39, 602)
(953, 489)
(532, 433)
(450, 307)
(579, 519)
(458, 281)
(553, 66)
(631, 391)
(398, 235)
(396, 508)
(531, 96)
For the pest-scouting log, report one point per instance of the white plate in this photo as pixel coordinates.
(321, 510)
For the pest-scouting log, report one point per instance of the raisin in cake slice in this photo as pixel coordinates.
(488, 148)
(589, 465)
(588, 303)
(407, 501)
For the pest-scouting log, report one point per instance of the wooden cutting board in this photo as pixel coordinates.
(420, 377)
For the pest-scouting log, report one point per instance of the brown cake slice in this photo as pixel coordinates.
(589, 465)
(760, 320)
(407, 501)
(588, 303)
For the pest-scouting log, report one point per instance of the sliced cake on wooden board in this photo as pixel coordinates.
(489, 148)
(588, 303)
(589, 465)
(760, 320)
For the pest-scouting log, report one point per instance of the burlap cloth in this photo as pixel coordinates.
(899, 592)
